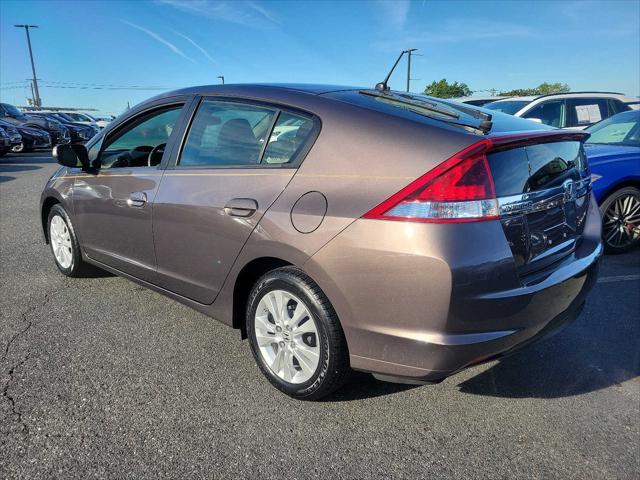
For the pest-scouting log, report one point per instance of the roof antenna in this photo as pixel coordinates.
(382, 86)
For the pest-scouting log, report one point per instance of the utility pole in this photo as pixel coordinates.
(36, 93)
(409, 66)
(221, 77)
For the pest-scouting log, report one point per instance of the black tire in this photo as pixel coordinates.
(333, 366)
(78, 267)
(630, 220)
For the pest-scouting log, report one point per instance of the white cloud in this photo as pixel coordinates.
(157, 37)
(193, 42)
(395, 12)
(239, 12)
(457, 32)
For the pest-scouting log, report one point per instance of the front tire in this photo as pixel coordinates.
(295, 335)
(64, 243)
(621, 220)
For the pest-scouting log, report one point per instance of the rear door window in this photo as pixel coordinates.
(550, 112)
(586, 111)
(228, 134)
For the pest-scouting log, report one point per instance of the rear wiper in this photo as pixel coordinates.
(410, 101)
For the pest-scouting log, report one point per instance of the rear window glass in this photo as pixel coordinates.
(510, 107)
(536, 167)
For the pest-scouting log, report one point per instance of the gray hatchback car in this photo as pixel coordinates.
(337, 228)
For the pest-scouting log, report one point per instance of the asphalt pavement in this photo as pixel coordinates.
(101, 378)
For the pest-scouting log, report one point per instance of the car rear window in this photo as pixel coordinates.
(536, 167)
(507, 106)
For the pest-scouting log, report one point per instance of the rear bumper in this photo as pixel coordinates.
(457, 352)
(422, 301)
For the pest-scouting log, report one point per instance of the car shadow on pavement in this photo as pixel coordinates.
(11, 168)
(363, 385)
(16, 159)
(590, 355)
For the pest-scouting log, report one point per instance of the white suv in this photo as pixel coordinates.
(566, 110)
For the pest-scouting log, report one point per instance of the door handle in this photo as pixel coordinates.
(241, 207)
(137, 199)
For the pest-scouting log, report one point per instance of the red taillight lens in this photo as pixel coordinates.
(460, 189)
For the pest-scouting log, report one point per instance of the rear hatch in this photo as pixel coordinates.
(543, 188)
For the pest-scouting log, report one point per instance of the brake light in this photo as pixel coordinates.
(461, 189)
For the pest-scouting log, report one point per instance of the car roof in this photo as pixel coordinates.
(261, 88)
(531, 98)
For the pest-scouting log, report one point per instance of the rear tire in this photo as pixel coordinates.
(295, 335)
(64, 243)
(621, 220)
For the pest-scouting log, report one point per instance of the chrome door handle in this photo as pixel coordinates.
(241, 207)
(137, 199)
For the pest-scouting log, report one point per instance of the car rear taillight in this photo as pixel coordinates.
(460, 189)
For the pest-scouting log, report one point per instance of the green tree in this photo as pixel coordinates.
(444, 89)
(542, 89)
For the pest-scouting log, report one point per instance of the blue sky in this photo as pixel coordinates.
(177, 43)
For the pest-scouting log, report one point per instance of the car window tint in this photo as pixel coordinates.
(287, 139)
(586, 111)
(550, 113)
(227, 134)
(132, 148)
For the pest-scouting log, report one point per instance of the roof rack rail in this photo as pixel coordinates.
(571, 93)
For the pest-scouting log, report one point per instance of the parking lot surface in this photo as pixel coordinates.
(103, 378)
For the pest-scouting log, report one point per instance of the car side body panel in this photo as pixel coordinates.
(101, 209)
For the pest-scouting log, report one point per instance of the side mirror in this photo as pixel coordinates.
(72, 156)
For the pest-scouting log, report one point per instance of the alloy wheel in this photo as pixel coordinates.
(287, 336)
(61, 241)
(621, 226)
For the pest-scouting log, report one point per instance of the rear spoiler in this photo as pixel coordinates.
(507, 142)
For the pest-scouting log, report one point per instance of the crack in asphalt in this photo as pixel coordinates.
(12, 403)
(5, 389)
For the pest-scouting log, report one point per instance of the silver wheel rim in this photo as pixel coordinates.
(60, 238)
(287, 336)
(621, 223)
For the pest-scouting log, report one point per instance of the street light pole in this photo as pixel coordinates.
(221, 77)
(409, 66)
(36, 93)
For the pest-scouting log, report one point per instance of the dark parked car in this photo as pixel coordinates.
(337, 228)
(58, 132)
(12, 132)
(5, 142)
(32, 139)
(613, 151)
(78, 132)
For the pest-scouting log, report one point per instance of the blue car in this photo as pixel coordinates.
(613, 151)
